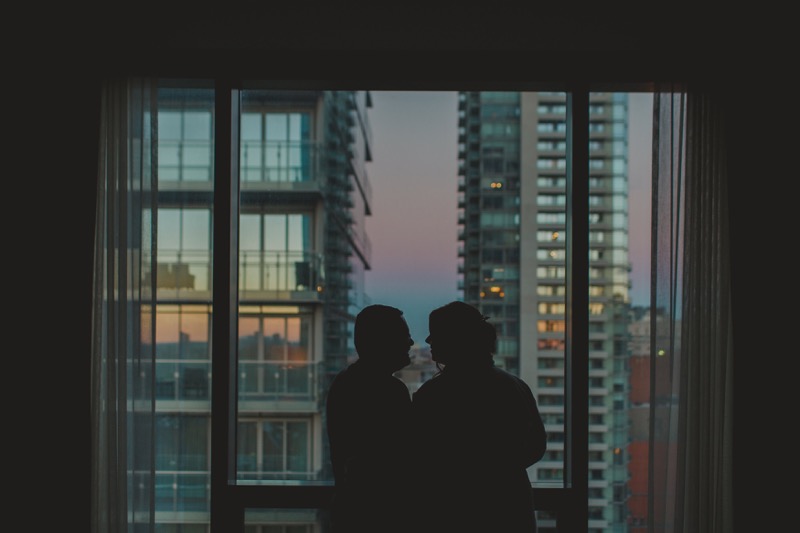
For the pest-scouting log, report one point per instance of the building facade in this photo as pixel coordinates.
(303, 251)
(512, 265)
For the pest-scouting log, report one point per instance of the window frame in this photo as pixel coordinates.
(229, 500)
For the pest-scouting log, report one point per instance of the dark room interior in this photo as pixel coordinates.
(61, 56)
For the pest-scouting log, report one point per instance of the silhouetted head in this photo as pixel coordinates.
(382, 336)
(460, 334)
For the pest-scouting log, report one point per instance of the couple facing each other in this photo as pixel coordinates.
(453, 456)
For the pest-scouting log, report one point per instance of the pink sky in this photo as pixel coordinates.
(414, 176)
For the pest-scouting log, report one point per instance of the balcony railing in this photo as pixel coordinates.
(180, 492)
(181, 271)
(262, 273)
(279, 161)
(259, 381)
(263, 165)
(183, 380)
(280, 274)
(272, 381)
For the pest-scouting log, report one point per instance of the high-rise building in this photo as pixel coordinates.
(303, 250)
(512, 233)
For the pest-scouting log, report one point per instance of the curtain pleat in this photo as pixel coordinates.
(691, 338)
(122, 330)
(667, 209)
(707, 380)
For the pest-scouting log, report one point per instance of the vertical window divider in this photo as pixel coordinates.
(226, 513)
(576, 458)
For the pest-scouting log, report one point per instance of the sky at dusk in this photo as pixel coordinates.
(414, 177)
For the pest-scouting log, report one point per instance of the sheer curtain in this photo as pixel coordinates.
(691, 486)
(122, 323)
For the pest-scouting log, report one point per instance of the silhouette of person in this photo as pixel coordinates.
(368, 423)
(478, 429)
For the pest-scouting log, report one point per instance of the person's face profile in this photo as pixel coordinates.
(445, 339)
(437, 342)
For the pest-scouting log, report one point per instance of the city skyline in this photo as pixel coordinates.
(413, 227)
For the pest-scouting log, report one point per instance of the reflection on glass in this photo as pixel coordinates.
(182, 472)
(274, 355)
(275, 146)
(185, 147)
(277, 253)
(273, 449)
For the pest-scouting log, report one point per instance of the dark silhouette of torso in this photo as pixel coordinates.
(368, 422)
(479, 429)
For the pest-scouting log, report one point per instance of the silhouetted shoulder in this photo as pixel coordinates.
(506, 377)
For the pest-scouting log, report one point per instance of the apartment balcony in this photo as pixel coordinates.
(263, 386)
(598, 447)
(360, 172)
(181, 275)
(264, 276)
(599, 373)
(280, 276)
(552, 372)
(597, 391)
(603, 151)
(263, 166)
(183, 496)
(282, 166)
(598, 465)
(597, 335)
(598, 502)
(552, 97)
(552, 134)
(183, 381)
(279, 386)
(619, 474)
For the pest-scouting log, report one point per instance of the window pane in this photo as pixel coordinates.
(247, 456)
(298, 446)
(274, 447)
(183, 312)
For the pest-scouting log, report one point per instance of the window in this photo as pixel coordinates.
(275, 146)
(298, 242)
(274, 449)
(185, 142)
(277, 253)
(275, 354)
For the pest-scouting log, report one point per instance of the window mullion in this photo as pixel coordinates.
(576, 465)
(226, 514)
